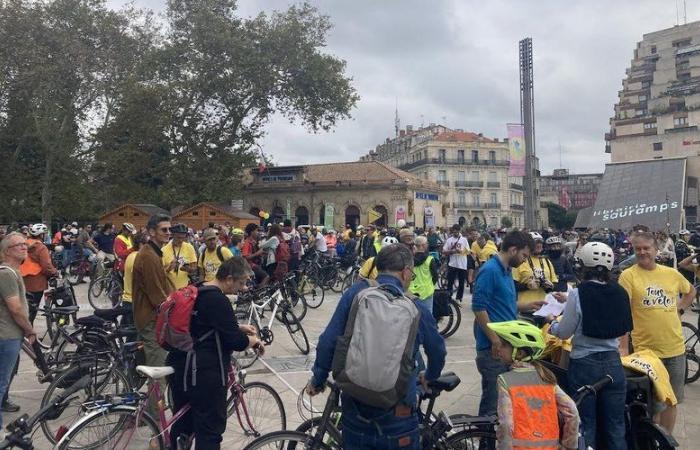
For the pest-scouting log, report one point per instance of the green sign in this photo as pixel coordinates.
(328, 216)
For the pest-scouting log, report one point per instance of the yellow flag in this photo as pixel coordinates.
(373, 215)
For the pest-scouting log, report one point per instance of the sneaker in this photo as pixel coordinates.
(9, 407)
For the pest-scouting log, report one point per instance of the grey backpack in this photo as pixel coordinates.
(374, 360)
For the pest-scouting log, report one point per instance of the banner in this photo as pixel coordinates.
(429, 215)
(400, 213)
(373, 216)
(564, 200)
(516, 145)
(289, 209)
(328, 216)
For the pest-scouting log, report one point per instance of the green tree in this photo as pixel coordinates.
(506, 222)
(559, 218)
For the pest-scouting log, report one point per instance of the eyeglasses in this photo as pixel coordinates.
(165, 230)
(21, 244)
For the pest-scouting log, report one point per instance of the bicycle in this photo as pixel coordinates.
(691, 337)
(123, 421)
(253, 312)
(79, 269)
(105, 291)
(21, 429)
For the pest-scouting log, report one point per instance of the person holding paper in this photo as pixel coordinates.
(597, 314)
(534, 279)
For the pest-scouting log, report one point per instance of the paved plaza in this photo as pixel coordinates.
(286, 370)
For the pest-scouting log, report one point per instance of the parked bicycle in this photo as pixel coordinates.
(105, 291)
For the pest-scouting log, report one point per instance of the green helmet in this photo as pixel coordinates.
(520, 334)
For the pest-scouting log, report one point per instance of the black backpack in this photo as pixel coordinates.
(219, 254)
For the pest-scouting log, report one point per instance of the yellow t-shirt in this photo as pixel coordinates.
(654, 302)
(211, 262)
(185, 255)
(129, 277)
(476, 250)
(365, 269)
(488, 251)
(541, 267)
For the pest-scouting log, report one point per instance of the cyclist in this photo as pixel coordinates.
(215, 334)
(213, 255)
(369, 268)
(562, 266)
(534, 278)
(36, 268)
(123, 244)
(252, 254)
(140, 240)
(236, 241)
(530, 403)
(682, 252)
(425, 267)
(597, 313)
(105, 242)
(179, 257)
(456, 248)
(317, 242)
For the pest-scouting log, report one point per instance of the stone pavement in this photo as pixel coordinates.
(284, 368)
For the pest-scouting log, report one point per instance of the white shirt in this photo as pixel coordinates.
(458, 260)
(320, 243)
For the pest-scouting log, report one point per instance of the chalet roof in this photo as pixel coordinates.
(147, 208)
(221, 207)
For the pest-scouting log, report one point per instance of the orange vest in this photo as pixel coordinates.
(535, 417)
(30, 267)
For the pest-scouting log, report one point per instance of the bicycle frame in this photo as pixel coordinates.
(255, 307)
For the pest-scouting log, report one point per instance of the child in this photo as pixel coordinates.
(529, 400)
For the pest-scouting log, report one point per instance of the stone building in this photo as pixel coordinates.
(473, 169)
(345, 193)
(569, 190)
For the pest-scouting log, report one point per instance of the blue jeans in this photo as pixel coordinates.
(366, 428)
(604, 412)
(428, 302)
(489, 368)
(9, 351)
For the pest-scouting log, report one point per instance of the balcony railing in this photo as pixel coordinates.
(469, 183)
(468, 205)
(518, 187)
(443, 182)
(517, 207)
(492, 205)
(493, 184)
(456, 161)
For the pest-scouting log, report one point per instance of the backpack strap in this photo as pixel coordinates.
(11, 270)
(220, 253)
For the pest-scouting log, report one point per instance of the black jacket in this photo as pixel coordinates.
(565, 272)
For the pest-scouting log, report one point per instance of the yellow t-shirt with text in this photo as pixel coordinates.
(129, 277)
(211, 262)
(541, 267)
(186, 255)
(654, 302)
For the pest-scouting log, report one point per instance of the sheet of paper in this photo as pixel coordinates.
(551, 306)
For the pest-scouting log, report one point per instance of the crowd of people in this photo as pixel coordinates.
(510, 275)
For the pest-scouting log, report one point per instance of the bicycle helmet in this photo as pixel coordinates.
(536, 236)
(237, 232)
(130, 227)
(38, 229)
(554, 240)
(389, 240)
(596, 254)
(521, 335)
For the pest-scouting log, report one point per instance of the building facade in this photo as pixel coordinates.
(658, 111)
(571, 191)
(337, 194)
(472, 168)
(199, 216)
(134, 213)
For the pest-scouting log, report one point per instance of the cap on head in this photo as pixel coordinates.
(405, 232)
(210, 233)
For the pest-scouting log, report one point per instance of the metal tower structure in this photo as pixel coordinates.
(527, 117)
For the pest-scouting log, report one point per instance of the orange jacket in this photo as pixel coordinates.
(38, 257)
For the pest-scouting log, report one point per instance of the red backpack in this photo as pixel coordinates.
(173, 320)
(282, 252)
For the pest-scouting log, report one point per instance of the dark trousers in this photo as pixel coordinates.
(12, 377)
(381, 430)
(207, 415)
(34, 301)
(489, 368)
(461, 276)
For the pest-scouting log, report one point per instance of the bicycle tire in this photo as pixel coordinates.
(296, 331)
(73, 272)
(288, 440)
(312, 293)
(295, 301)
(264, 408)
(465, 440)
(448, 325)
(96, 289)
(146, 430)
(690, 337)
(647, 437)
(51, 330)
(71, 413)
(247, 358)
(692, 368)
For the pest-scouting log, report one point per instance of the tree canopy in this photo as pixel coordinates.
(100, 107)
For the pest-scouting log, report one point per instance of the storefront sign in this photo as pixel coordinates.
(426, 196)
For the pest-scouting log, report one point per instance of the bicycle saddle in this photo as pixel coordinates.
(448, 381)
(155, 372)
(128, 332)
(110, 314)
(90, 321)
(65, 309)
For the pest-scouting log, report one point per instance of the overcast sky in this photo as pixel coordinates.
(455, 62)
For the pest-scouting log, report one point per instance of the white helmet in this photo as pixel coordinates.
(389, 240)
(554, 240)
(536, 236)
(400, 223)
(38, 229)
(58, 249)
(684, 232)
(596, 254)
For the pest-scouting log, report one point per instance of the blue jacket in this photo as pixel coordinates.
(428, 337)
(494, 292)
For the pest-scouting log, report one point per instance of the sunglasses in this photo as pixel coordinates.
(164, 230)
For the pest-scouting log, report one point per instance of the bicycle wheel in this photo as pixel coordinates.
(257, 411)
(296, 301)
(690, 337)
(119, 427)
(472, 440)
(74, 272)
(692, 368)
(98, 293)
(247, 357)
(46, 340)
(312, 293)
(647, 437)
(106, 380)
(296, 331)
(448, 325)
(286, 440)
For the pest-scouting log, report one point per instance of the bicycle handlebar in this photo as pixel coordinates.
(588, 389)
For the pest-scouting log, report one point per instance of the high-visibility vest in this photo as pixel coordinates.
(535, 417)
(423, 285)
(29, 266)
(126, 240)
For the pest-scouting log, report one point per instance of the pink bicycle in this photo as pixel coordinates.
(123, 422)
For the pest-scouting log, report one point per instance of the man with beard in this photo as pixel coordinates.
(495, 300)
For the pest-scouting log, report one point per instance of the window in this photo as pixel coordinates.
(650, 126)
(121, 214)
(475, 175)
(460, 176)
(475, 155)
(680, 121)
(492, 156)
(462, 198)
(195, 213)
(460, 156)
(646, 84)
(442, 175)
(642, 98)
(425, 154)
(640, 112)
(476, 199)
(653, 50)
(658, 146)
(443, 155)
(493, 176)
(494, 198)
(212, 213)
(136, 214)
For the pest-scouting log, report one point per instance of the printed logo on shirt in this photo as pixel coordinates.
(538, 272)
(655, 296)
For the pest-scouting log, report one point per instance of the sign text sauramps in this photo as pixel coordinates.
(634, 210)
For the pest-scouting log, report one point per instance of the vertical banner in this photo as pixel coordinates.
(400, 213)
(289, 208)
(328, 216)
(516, 145)
(429, 217)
